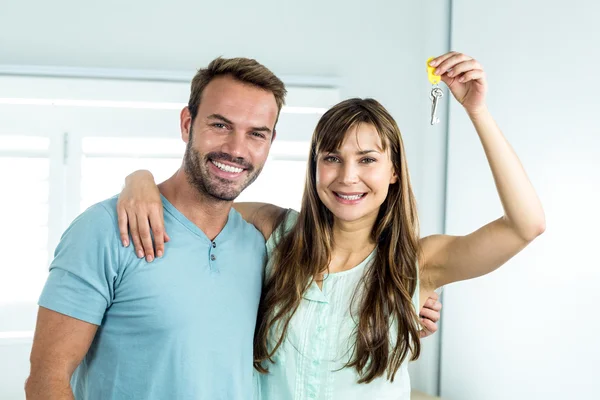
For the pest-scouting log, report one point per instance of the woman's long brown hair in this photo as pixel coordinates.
(305, 251)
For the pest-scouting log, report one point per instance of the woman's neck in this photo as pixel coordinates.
(352, 243)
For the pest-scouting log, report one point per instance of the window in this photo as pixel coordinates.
(66, 144)
(106, 162)
(281, 181)
(24, 214)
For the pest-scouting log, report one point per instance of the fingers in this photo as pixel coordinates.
(123, 229)
(432, 304)
(438, 60)
(462, 67)
(146, 237)
(430, 315)
(140, 230)
(451, 62)
(429, 328)
(474, 75)
(158, 228)
(459, 67)
(454, 64)
(135, 237)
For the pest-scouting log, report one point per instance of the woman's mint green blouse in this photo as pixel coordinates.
(310, 362)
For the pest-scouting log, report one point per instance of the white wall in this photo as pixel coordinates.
(375, 49)
(529, 330)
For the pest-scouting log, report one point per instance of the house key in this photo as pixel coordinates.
(436, 92)
(436, 95)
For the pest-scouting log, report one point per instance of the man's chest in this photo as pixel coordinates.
(186, 290)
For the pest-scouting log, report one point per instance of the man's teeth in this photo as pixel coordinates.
(353, 197)
(227, 168)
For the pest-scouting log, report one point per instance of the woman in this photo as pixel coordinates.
(337, 318)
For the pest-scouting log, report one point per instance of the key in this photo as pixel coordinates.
(436, 94)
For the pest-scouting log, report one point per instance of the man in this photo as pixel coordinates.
(110, 325)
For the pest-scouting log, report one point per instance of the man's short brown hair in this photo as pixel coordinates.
(245, 70)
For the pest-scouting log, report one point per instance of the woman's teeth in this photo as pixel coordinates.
(227, 168)
(353, 197)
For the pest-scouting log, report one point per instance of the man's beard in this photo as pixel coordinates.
(198, 175)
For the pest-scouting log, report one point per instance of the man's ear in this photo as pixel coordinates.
(185, 124)
(274, 135)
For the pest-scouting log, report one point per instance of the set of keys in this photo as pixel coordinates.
(436, 92)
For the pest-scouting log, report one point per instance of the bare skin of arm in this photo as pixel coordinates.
(262, 215)
(448, 259)
(59, 344)
(140, 211)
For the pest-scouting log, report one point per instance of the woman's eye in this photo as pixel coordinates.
(368, 160)
(331, 159)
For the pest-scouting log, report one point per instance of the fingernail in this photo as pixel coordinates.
(140, 254)
(462, 79)
(126, 243)
(432, 63)
(437, 71)
(159, 254)
(149, 258)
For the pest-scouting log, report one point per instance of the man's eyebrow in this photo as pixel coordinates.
(261, 129)
(227, 121)
(219, 117)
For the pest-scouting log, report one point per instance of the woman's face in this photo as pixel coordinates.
(353, 181)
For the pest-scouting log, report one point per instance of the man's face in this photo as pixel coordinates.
(229, 141)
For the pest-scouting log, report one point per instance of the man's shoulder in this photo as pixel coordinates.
(105, 210)
(101, 216)
(243, 227)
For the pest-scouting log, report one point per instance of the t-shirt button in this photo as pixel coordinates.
(214, 245)
(213, 257)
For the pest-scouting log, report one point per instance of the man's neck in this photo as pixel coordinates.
(206, 212)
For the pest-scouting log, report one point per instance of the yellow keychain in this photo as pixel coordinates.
(433, 78)
(436, 92)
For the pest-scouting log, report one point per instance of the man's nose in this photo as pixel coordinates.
(235, 145)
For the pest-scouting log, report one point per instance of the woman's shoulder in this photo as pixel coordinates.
(282, 226)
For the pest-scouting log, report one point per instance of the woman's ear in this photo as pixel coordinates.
(394, 178)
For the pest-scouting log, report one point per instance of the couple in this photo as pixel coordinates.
(333, 315)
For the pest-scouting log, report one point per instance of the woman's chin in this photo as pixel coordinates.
(350, 216)
(349, 213)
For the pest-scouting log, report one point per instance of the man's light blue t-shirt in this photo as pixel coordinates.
(180, 327)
